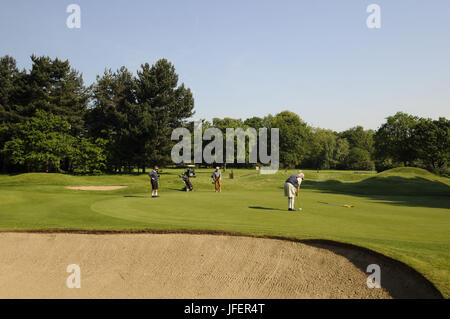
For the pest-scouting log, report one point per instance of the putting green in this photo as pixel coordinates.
(403, 213)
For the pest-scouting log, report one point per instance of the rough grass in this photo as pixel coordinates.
(403, 213)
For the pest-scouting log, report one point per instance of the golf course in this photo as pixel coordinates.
(401, 213)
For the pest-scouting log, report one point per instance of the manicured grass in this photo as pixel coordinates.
(403, 213)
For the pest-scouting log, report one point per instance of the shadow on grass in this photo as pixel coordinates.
(177, 189)
(137, 196)
(393, 190)
(266, 208)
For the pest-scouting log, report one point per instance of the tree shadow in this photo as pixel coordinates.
(393, 190)
(13, 173)
(400, 280)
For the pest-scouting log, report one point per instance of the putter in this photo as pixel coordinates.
(298, 192)
(298, 209)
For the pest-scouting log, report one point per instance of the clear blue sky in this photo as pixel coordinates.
(255, 57)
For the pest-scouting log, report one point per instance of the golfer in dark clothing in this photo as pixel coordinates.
(154, 181)
(292, 187)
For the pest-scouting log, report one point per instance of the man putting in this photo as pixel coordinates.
(154, 181)
(217, 179)
(292, 188)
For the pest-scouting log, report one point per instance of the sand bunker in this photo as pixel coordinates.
(95, 188)
(192, 266)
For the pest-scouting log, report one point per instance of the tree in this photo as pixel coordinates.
(360, 138)
(256, 122)
(88, 156)
(43, 143)
(53, 86)
(359, 159)
(10, 78)
(162, 106)
(294, 134)
(137, 115)
(227, 122)
(40, 143)
(230, 123)
(431, 142)
(114, 117)
(326, 150)
(394, 139)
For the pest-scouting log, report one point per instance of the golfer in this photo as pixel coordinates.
(217, 179)
(154, 181)
(292, 187)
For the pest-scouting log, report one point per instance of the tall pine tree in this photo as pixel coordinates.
(163, 106)
(113, 116)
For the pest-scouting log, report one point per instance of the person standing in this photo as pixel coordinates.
(154, 181)
(292, 188)
(217, 179)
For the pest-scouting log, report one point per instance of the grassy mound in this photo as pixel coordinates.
(64, 179)
(409, 172)
(402, 181)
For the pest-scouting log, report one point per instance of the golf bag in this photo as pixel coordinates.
(190, 173)
(187, 182)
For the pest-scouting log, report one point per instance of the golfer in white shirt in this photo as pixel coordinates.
(292, 187)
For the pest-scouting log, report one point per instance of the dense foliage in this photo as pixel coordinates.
(50, 121)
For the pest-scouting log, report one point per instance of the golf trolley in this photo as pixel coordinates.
(186, 177)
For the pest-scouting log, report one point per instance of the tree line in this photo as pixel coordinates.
(403, 140)
(51, 122)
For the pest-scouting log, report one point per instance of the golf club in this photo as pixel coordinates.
(298, 200)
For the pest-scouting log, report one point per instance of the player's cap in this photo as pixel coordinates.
(217, 167)
(302, 176)
(156, 168)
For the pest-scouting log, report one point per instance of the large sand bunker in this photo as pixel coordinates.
(96, 188)
(193, 266)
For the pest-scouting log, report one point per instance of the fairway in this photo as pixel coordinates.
(401, 213)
